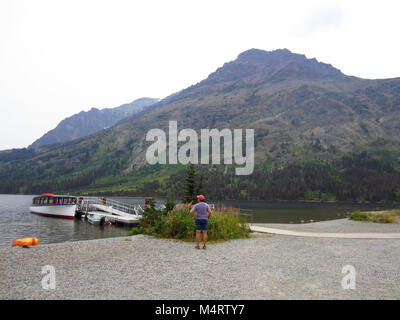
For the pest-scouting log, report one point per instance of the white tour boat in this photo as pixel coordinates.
(58, 206)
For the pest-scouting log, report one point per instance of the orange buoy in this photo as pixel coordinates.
(24, 242)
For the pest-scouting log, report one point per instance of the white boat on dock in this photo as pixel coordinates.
(95, 218)
(58, 206)
(111, 210)
(108, 209)
(126, 219)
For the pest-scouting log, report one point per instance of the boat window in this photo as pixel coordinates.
(54, 200)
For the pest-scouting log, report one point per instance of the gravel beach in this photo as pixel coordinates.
(262, 267)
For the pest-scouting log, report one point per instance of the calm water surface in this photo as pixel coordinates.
(17, 222)
(300, 212)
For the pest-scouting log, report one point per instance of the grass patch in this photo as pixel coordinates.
(358, 216)
(391, 216)
(224, 224)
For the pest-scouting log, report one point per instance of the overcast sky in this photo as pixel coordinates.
(60, 57)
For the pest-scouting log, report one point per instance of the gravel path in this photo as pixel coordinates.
(262, 267)
(340, 225)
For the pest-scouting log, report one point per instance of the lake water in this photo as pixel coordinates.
(301, 212)
(17, 222)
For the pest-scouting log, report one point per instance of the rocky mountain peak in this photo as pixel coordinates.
(277, 65)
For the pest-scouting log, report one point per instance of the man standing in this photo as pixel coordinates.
(203, 213)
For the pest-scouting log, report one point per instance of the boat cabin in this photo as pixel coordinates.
(51, 199)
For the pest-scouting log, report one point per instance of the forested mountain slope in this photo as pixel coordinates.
(319, 134)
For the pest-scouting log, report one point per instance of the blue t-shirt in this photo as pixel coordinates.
(201, 210)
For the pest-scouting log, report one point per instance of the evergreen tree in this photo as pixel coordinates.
(199, 189)
(169, 205)
(189, 191)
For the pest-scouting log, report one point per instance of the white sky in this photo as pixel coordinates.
(60, 57)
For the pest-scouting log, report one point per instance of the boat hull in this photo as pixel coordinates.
(95, 219)
(56, 211)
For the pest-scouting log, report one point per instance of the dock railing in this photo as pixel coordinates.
(85, 203)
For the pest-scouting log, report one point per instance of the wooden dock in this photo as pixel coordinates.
(114, 211)
(125, 219)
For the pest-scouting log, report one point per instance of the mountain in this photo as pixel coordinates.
(319, 134)
(86, 123)
(256, 66)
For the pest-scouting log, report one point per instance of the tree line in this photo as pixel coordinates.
(355, 177)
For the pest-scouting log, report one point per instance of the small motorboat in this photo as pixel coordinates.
(50, 205)
(94, 218)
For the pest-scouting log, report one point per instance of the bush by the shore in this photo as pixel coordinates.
(224, 224)
(391, 216)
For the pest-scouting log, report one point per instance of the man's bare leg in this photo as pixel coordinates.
(198, 238)
(205, 238)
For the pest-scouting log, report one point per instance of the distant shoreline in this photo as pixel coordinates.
(215, 200)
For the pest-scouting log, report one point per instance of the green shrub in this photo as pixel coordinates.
(179, 225)
(169, 205)
(151, 222)
(134, 231)
(224, 224)
(390, 216)
(359, 216)
(381, 218)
